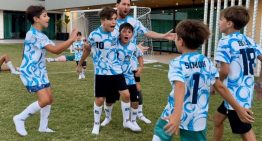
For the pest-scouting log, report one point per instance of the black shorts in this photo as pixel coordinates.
(83, 65)
(134, 95)
(108, 85)
(237, 126)
(137, 78)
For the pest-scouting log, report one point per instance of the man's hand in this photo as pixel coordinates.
(142, 48)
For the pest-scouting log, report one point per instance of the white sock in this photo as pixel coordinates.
(133, 114)
(97, 114)
(156, 138)
(11, 66)
(44, 114)
(125, 110)
(30, 110)
(140, 110)
(108, 111)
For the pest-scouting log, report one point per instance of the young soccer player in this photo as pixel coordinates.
(236, 55)
(128, 54)
(78, 49)
(8, 64)
(109, 77)
(33, 68)
(191, 76)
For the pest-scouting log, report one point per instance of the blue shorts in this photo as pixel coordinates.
(33, 89)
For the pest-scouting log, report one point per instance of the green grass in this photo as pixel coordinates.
(72, 117)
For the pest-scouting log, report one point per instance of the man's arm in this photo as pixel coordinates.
(155, 35)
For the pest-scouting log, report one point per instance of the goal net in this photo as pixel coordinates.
(88, 20)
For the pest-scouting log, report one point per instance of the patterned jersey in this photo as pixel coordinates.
(78, 49)
(240, 52)
(128, 54)
(198, 73)
(138, 29)
(104, 52)
(33, 66)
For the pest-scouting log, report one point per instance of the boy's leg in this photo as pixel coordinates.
(83, 70)
(98, 105)
(108, 107)
(134, 105)
(249, 136)
(219, 118)
(44, 114)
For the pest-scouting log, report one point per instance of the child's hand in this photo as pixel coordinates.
(173, 125)
(245, 115)
(142, 48)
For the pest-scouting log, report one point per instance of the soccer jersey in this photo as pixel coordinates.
(78, 49)
(138, 27)
(197, 73)
(128, 54)
(104, 52)
(33, 66)
(240, 52)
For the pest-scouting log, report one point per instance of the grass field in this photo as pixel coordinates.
(72, 111)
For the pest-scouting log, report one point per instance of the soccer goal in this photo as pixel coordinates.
(88, 20)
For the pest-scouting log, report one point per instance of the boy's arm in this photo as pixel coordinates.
(174, 119)
(57, 49)
(244, 114)
(141, 66)
(86, 52)
(224, 70)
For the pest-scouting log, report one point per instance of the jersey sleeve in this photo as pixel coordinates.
(141, 29)
(213, 73)
(42, 41)
(223, 52)
(258, 50)
(175, 72)
(91, 40)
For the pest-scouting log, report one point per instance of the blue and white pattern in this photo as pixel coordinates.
(33, 66)
(78, 49)
(138, 27)
(128, 55)
(104, 52)
(198, 73)
(240, 52)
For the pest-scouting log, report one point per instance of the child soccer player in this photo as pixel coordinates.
(78, 49)
(109, 77)
(33, 68)
(128, 54)
(236, 55)
(191, 76)
(9, 66)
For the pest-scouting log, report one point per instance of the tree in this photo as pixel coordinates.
(66, 21)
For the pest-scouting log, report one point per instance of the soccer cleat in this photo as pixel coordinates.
(136, 125)
(131, 126)
(143, 118)
(80, 76)
(83, 76)
(19, 126)
(105, 122)
(47, 130)
(95, 130)
(16, 72)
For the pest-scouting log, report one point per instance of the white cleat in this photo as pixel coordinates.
(47, 130)
(16, 72)
(105, 122)
(137, 126)
(80, 76)
(143, 118)
(83, 76)
(19, 126)
(131, 126)
(95, 130)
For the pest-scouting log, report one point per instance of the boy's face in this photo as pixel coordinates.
(43, 19)
(126, 35)
(109, 24)
(224, 25)
(78, 37)
(123, 8)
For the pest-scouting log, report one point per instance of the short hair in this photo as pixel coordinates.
(107, 12)
(34, 11)
(126, 26)
(79, 33)
(194, 33)
(118, 1)
(237, 14)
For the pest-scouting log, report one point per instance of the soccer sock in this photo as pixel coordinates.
(133, 114)
(60, 59)
(125, 110)
(140, 110)
(44, 113)
(140, 102)
(11, 66)
(97, 114)
(108, 111)
(30, 110)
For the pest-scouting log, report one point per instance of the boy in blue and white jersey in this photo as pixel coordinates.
(109, 77)
(191, 76)
(78, 46)
(236, 55)
(33, 68)
(128, 54)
